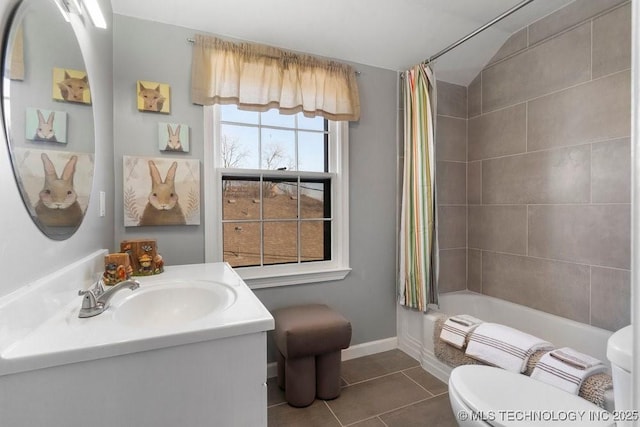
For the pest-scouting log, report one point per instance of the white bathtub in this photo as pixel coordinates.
(415, 334)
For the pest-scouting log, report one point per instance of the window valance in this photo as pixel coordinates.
(258, 78)
(16, 66)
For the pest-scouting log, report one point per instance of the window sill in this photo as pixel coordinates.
(260, 280)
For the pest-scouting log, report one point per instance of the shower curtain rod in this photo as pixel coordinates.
(478, 31)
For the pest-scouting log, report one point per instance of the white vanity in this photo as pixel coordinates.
(202, 363)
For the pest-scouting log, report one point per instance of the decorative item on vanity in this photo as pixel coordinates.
(173, 137)
(71, 86)
(143, 255)
(153, 96)
(161, 191)
(117, 268)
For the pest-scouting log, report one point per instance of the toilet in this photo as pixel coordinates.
(484, 396)
(619, 354)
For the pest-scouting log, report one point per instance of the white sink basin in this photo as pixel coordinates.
(173, 303)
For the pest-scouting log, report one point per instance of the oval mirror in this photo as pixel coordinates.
(48, 117)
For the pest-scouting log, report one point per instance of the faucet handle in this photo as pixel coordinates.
(88, 300)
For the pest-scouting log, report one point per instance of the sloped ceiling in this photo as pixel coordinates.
(391, 34)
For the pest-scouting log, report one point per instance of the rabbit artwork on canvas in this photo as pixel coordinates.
(45, 131)
(163, 207)
(58, 201)
(173, 143)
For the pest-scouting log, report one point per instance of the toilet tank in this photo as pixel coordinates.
(619, 354)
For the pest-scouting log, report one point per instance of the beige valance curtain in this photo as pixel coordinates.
(258, 77)
(16, 66)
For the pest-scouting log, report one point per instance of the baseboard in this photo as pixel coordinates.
(353, 352)
(411, 346)
(369, 348)
(435, 367)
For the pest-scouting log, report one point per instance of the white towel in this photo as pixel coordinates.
(504, 347)
(456, 328)
(566, 369)
(575, 358)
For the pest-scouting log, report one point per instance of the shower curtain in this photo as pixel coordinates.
(418, 260)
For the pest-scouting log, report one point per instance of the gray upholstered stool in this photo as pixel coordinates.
(309, 339)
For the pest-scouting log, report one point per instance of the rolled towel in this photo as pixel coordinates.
(456, 328)
(504, 347)
(566, 369)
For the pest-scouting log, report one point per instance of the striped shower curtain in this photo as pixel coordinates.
(418, 261)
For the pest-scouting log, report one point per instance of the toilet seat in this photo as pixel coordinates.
(508, 399)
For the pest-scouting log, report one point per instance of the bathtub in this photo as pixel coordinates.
(416, 329)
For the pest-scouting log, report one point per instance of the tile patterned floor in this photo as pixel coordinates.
(387, 389)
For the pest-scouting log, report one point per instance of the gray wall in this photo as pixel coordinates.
(367, 295)
(549, 167)
(35, 91)
(162, 55)
(25, 253)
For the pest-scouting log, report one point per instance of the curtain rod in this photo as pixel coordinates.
(478, 31)
(357, 73)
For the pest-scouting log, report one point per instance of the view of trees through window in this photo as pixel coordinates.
(276, 204)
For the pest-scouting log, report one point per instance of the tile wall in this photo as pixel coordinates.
(543, 193)
(451, 185)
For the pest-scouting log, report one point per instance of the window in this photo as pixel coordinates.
(276, 195)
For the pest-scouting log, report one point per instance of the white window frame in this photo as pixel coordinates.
(280, 274)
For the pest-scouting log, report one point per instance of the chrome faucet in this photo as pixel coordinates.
(96, 300)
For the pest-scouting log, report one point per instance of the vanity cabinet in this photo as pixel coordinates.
(211, 383)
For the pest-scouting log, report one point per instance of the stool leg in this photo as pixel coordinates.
(300, 381)
(281, 371)
(328, 375)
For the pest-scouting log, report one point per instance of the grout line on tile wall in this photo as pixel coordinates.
(526, 226)
(563, 261)
(481, 107)
(590, 173)
(526, 126)
(590, 293)
(553, 92)
(561, 147)
(515, 104)
(591, 48)
(481, 275)
(450, 117)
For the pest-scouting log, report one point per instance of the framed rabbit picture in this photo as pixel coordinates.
(57, 184)
(161, 191)
(46, 125)
(173, 137)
